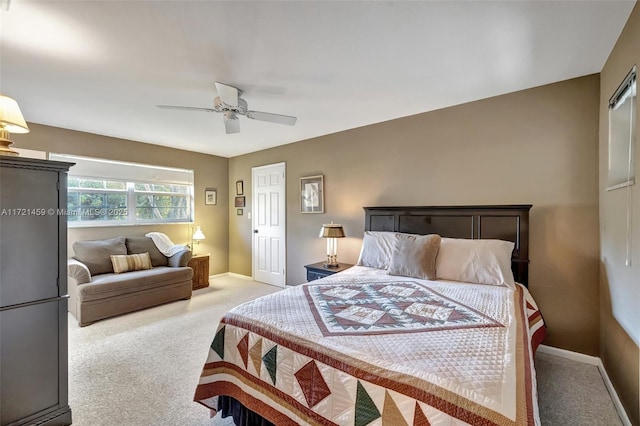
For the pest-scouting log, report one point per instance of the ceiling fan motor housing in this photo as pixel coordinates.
(220, 106)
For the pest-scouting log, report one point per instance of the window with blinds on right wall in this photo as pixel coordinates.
(622, 129)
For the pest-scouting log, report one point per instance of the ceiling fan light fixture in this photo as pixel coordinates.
(231, 122)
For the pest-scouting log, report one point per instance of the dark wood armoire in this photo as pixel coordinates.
(33, 292)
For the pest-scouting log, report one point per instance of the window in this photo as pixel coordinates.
(162, 202)
(91, 200)
(622, 129)
(102, 192)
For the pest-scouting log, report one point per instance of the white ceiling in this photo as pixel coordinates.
(102, 66)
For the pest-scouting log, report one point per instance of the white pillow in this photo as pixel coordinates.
(475, 261)
(377, 248)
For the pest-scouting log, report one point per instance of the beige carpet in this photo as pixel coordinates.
(572, 394)
(142, 368)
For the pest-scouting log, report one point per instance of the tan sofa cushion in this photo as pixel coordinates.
(109, 285)
(95, 254)
(136, 245)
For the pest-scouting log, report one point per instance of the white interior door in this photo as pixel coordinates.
(269, 224)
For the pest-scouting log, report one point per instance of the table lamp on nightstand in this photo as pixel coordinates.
(196, 238)
(332, 232)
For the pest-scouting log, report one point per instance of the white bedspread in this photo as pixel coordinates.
(363, 347)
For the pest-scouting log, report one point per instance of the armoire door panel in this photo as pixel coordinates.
(29, 362)
(28, 235)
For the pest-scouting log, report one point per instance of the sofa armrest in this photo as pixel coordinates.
(78, 271)
(181, 258)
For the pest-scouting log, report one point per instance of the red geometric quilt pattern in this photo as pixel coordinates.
(243, 348)
(313, 385)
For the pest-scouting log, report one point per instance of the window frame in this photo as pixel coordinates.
(131, 204)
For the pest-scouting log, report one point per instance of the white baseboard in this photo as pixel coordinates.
(591, 360)
(231, 274)
(574, 356)
(614, 395)
(244, 277)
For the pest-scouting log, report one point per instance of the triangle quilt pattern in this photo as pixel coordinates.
(419, 418)
(255, 353)
(313, 385)
(391, 415)
(218, 343)
(269, 360)
(366, 410)
(243, 348)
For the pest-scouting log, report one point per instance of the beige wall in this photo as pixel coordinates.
(536, 146)
(209, 171)
(620, 285)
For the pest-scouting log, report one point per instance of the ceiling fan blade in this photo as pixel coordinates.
(185, 108)
(228, 94)
(231, 122)
(272, 118)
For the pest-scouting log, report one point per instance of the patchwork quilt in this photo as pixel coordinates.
(366, 348)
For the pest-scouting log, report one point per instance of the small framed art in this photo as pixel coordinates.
(239, 202)
(239, 187)
(239, 212)
(312, 194)
(210, 197)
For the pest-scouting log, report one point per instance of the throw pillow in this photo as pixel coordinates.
(377, 247)
(415, 256)
(130, 262)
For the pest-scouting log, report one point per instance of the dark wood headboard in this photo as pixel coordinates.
(505, 222)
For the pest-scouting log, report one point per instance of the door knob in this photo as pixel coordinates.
(255, 231)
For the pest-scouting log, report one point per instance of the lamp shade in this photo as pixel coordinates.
(332, 230)
(11, 118)
(198, 235)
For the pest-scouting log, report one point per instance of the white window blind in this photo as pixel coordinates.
(107, 169)
(622, 131)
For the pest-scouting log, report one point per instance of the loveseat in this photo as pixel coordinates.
(97, 292)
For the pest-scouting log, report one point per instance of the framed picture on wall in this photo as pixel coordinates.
(210, 197)
(312, 194)
(239, 187)
(239, 202)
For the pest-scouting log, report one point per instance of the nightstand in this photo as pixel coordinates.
(316, 271)
(200, 266)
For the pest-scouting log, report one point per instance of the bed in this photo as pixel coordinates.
(392, 341)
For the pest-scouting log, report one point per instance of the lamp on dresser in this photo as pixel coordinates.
(11, 121)
(332, 232)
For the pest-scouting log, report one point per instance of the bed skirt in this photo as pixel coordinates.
(242, 416)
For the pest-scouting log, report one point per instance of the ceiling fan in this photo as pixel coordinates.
(232, 105)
